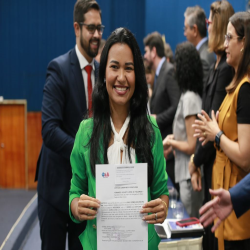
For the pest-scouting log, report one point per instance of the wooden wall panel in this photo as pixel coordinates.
(34, 141)
(13, 157)
(20, 144)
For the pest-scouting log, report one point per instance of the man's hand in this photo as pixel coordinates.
(219, 208)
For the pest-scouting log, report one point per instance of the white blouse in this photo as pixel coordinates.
(114, 151)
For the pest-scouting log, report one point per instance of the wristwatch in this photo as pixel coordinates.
(217, 139)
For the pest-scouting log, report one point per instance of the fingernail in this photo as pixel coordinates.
(143, 218)
(141, 211)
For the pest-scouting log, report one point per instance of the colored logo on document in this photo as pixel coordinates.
(105, 175)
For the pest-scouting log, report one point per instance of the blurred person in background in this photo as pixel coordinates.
(195, 31)
(150, 76)
(102, 43)
(230, 130)
(219, 77)
(168, 53)
(190, 80)
(166, 93)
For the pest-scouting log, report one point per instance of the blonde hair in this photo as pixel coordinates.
(221, 11)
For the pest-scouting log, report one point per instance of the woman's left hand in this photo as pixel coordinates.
(206, 129)
(167, 152)
(158, 210)
(167, 141)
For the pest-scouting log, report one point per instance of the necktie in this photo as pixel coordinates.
(88, 69)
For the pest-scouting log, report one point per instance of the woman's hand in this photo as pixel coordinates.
(167, 152)
(85, 207)
(206, 129)
(167, 145)
(167, 141)
(191, 167)
(196, 180)
(158, 210)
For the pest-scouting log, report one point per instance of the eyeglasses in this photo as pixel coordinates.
(208, 22)
(92, 28)
(228, 37)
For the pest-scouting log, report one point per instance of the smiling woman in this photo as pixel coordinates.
(230, 130)
(120, 76)
(120, 132)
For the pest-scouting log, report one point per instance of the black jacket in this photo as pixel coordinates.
(165, 98)
(63, 108)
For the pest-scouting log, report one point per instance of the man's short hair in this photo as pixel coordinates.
(196, 15)
(155, 40)
(82, 7)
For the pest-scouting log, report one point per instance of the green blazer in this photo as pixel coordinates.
(83, 182)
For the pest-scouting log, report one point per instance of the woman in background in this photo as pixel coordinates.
(219, 76)
(230, 130)
(189, 77)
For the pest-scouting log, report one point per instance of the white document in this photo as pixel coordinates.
(122, 190)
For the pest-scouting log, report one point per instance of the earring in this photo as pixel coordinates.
(104, 79)
(242, 50)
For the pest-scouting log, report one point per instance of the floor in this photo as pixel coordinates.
(33, 240)
(12, 203)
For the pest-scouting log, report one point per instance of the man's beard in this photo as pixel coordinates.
(87, 48)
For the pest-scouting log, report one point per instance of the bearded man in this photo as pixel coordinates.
(166, 93)
(67, 98)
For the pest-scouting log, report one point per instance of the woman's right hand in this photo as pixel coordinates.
(85, 207)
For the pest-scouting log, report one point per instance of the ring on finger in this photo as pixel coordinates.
(204, 134)
(155, 216)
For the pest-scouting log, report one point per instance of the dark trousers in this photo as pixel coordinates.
(55, 225)
(171, 173)
(235, 244)
(209, 242)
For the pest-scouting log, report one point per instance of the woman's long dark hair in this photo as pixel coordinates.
(140, 132)
(189, 71)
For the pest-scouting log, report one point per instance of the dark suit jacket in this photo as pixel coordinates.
(213, 95)
(165, 98)
(240, 196)
(63, 108)
(207, 60)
